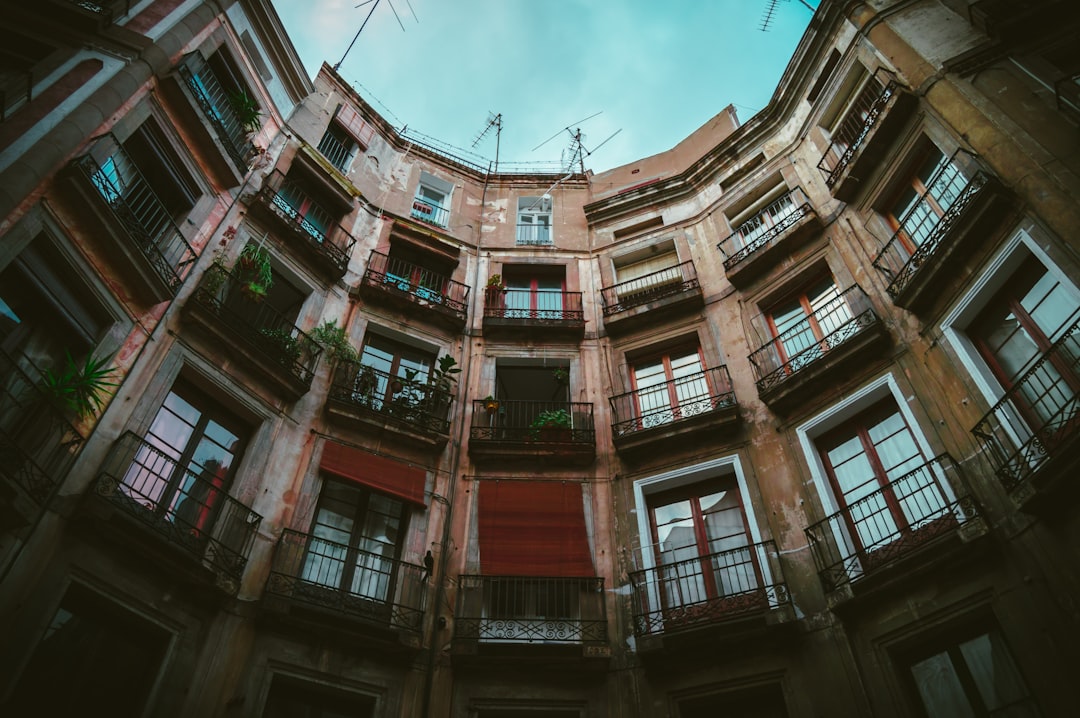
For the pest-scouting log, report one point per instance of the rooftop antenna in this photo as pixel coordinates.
(374, 4)
(493, 120)
(577, 151)
(770, 10)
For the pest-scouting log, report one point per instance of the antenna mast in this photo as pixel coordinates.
(374, 4)
(493, 120)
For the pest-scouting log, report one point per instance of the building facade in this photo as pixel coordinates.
(303, 415)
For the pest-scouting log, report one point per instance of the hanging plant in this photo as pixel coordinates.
(256, 274)
(333, 339)
(247, 111)
(561, 376)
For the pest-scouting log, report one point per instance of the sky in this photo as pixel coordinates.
(655, 70)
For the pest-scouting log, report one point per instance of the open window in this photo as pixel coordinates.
(534, 221)
(647, 272)
(534, 292)
(431, 203)
(347, 135)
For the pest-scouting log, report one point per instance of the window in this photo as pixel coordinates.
(845, 119)
(534, 294)
(295, 199)
(432, 201)
(924, 198)
(534, 220)
(300, 699)
(89, 643)
(24, 61)
(187, 461)
(396, 369)
(419, 273)
(802, 324)
(669, 386)
(759, 221)
(347, 134)
(356, 539)
(642, 274)
(871, 462)
(973, 675)
(1017, 327)
(702, 544)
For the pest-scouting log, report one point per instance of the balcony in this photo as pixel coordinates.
(311, 229)
(380, 403)
(316, 582)
(149, 250)
(429, 212)
(534, 235)
(691, 408)
(546, 315)
(512, 431)
(420, 292)
(707, 598)
(930, 248)
(338, 148)
(531, 616)
(840, 335)
(215, 107)
(875, 118)
(184, 522)
(37, 445)
(1031, 435)
(887, 533)
(253, 333)
(663, 293)
(760, 242)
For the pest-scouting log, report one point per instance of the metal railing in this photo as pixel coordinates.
(321, 574)
(923, 228)
(862, 116)
(138, 212)
(37, 444)
(649, 287)
(842, 318)
(416, 281)
(765, 228)
(308, 220)
(526, 609)
(429, 212)
(217, 107)
(709, 589)
(1038, 416)
(888, 524)
(553, 306)
(534, 235)
(189, 507)
(413, 403)
(108, 9)
(661, 404)
(1067, 95)
(269, 333)
(515, 420)
(339, 150)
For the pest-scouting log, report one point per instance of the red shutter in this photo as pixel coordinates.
(355, 125)
(533, 528)
(375, 472)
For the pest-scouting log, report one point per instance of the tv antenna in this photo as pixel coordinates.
(374, 4)
(577, 151)
(770, 10)
(494, 120)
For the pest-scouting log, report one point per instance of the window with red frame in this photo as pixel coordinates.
(534, 295)
(669, 386)
(924, 197)
(802, 323)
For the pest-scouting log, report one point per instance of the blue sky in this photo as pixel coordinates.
(656, 69)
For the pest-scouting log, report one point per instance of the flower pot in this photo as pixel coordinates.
(253, 291)
(396, 386)
(491, 406)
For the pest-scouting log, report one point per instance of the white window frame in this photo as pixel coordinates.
(535, 209)
(434, 184)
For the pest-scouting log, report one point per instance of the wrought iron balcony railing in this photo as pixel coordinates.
(309, 221)
(534, 235)
(416, 281)
(338, 148)
(860, 120)
(537, 421)
(413, 403)
(519, 609)
(137, 212)
(430, 212)
(883, 527)
(216, 106)
(1039, 415)
(927, 225)
(649, 287)
(529, 305)
(372, 586)
(682, 593)
(661, 404)
(37, 444)
(833, 324)
(270, 334)
(187, 506)
(765, 228)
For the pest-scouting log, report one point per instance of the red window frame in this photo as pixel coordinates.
(665, 356)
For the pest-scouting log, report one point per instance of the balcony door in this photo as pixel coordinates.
(869, 461)
(924, 197)
(387, 366)
(802, 323)
(702, 546)
(355, 541)
(670, 386)
(534, 297)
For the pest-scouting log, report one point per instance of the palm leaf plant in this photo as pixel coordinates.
(79, 388)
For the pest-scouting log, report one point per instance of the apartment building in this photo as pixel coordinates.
(306, 415)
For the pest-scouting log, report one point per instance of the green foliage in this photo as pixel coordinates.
(561, 375)
(255, 275)
(554, 419)
(495, 282)
(79, 388)
(334, 341)
(247, 110)
(282, 344)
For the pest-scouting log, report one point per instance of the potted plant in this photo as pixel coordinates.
(247, 111)
(491, 404)
(333, 340)
(283, 345)
(561, 376)
(79, 388)
(256, 275)
(494, 291)
(551, 426)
